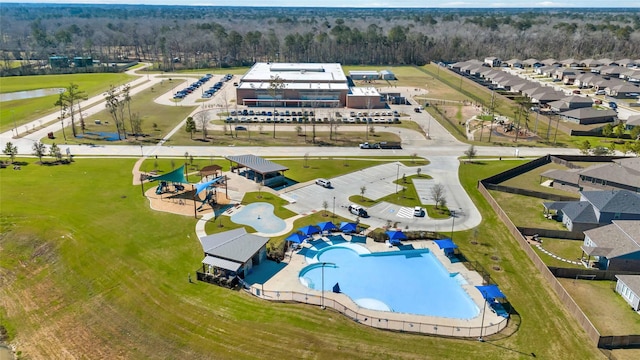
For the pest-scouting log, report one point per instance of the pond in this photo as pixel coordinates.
(30, 94)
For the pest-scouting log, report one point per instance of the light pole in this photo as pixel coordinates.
(453, 218)
(334, 207)
(15, 126)
(141, 151)
(397, 177)
(322, 294)
(484, 310)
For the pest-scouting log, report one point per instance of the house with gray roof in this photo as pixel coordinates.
(531, 62)
(614, 247)
(622, 90)
(619, 174)
(596, 208)
(232, 253)
(571, 102)
(590, 115)
(258, 169)
(628, 286)
(633, 120)
(591, 63)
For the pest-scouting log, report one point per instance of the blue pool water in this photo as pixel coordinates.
(407, 281)
(259, 216)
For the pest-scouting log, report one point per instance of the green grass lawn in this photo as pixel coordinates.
(25, 111)
(606, 309)
(525, 211)
(164, 117)
(567, 249)
(82, 253)
(531, 180)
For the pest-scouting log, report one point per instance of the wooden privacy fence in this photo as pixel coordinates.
(563, 295)
(357, 314)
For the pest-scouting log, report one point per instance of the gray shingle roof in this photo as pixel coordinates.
(257, 163)
(589, 113)
(235, 245)
(616, 201)
(622, 237)
(570, 176)
(580, 212)
(621, 173)
(632, 282)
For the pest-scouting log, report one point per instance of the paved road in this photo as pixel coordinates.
(441, 148)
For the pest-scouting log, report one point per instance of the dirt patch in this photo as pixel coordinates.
(182, 203)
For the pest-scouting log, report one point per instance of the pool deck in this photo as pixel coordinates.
(286, 281)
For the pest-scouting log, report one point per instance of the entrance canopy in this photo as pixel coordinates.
(491, 292)
(176, 176)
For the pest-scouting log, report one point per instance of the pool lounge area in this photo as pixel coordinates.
(289, 284)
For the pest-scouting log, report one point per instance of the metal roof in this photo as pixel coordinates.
(233, 245)
(257, 164)
(221, 263)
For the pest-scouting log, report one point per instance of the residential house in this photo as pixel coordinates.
(571, 63)
(586, 116)
(571, 102)
(618, 174)
(596, 208)
(532, 63)
(591, 63)
(515, 63)
(627, 63)
(628, 286)
(551, 62)
(614, 247)
(633, 120)
(492, 61)
(622, 90)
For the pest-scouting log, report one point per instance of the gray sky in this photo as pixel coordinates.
(366, 3)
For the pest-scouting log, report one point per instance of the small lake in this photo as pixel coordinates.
(21, 95)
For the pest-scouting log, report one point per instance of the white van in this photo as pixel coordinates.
(324, 183)
(418, 211)
(358, 210)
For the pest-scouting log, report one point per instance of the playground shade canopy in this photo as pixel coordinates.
(202, 186)
(296, 238)
(326, 226)
(348, 226)
(176, 176)
(491, 292)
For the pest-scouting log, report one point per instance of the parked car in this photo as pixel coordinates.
(418, 211)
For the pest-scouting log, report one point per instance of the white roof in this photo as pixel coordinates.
(364, 91)
(295, 86)
(296, 72)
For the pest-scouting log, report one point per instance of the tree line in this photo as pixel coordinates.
(202, 37)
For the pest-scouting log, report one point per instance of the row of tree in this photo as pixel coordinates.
(39, 149)
(200, 37)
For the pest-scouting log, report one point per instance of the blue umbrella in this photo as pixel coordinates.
(348, 227)
(296, 238)
(396, 235)
(326, 226)
(309, 230)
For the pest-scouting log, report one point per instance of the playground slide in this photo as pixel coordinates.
(159, 190)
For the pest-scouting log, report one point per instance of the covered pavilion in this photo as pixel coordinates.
(258, 169)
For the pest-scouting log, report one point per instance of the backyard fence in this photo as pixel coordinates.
(557, 234)
(358, 315)
(562, 293)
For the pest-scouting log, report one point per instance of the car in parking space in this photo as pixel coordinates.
(600, 92)
(241, 128)
(418, 211)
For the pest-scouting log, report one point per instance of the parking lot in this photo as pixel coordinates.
(378, 181)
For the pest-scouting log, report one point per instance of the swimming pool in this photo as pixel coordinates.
(260, 216)
(407, 281)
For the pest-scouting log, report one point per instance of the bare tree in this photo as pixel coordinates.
(202, 120)
(325, 206)
(39, 150)
(471, 152)
(438, 194)
(363, 189)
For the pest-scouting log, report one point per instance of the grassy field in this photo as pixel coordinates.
(525, 211)
(164, 117)
(24, 111)
(105, 277)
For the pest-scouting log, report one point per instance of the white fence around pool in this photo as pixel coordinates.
(380, 322)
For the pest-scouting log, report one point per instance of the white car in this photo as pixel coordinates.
(418, 211)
